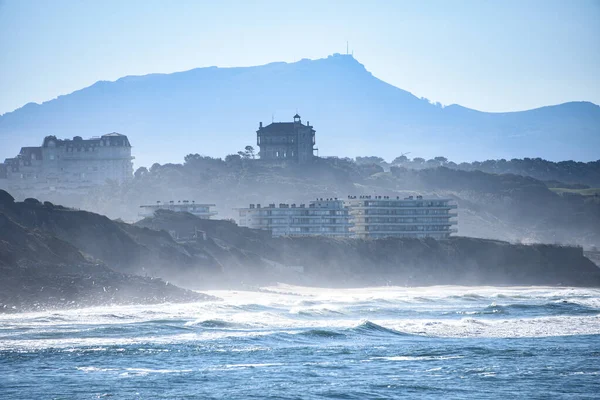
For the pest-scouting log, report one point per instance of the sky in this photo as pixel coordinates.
(487, 55)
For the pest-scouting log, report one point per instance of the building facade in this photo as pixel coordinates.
(327, 217)
(199, 210)
(359, 217)
(70, 163)
(286, 141)
(384, 216)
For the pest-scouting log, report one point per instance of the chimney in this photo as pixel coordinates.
(260, 125)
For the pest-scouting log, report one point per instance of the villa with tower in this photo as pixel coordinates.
(286, 141)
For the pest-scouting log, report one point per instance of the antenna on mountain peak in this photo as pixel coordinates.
(347, 47)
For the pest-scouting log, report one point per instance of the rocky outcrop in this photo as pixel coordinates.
(124, 247)
(32, 286)
(457, 261)
(39, 270)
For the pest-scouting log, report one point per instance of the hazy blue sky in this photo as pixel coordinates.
(488, 55)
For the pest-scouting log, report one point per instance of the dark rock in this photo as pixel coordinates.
(6, 198)
(39, 270)
(32, 202)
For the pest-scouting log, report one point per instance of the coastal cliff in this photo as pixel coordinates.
(52, 256)
(39, 270)
(254, 256)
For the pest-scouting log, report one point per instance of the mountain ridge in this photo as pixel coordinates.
(337, 93)
(284, 63)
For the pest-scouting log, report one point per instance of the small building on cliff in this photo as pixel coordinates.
(63, 164)
(199, 210)
(286, 141)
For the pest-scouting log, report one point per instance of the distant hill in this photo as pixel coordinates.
(490, 205)
(216, 111)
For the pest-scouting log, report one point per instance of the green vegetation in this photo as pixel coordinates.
(512, 207)
(565, 172)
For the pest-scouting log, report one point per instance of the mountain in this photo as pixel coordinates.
(216, 111)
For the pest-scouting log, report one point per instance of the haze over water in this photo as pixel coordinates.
(297, 342)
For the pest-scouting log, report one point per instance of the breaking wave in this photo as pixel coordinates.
(350, 343)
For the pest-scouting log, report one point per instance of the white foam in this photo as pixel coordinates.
(96, 369)
(431, 311)
(415, 358)
(253, 365)
(157, 371)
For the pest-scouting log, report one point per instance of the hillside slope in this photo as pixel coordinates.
(216, 111)
(494, 206)
(124, 247)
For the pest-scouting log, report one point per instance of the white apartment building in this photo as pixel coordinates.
(327, 217)
(200, 210)
(358, 216)
(384, 216)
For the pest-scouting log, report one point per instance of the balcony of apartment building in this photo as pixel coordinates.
(403, 207)
(405, 228)
(404, 211)
(433, 235)
(402, 224)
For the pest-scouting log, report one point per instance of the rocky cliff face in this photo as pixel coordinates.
(40, 270)
(51, 256)
(457, 261)
(125, 247)
(256, 257)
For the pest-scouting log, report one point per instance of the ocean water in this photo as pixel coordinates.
(288, 342)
